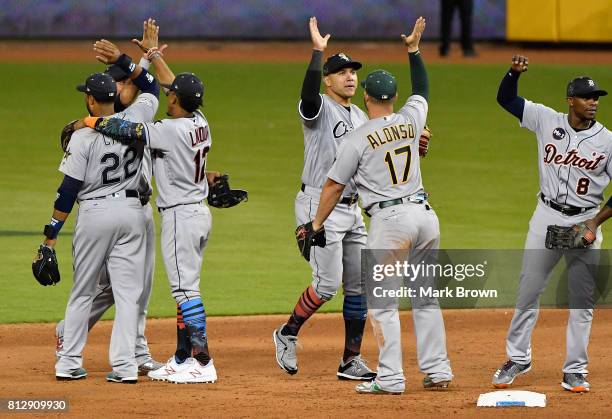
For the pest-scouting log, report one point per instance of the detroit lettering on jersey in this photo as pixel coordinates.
(382, 156)
(571, 158)
(575, 167)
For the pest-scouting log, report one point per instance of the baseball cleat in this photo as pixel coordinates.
(151, 365)
(166, 370)
(116, 378)
(194, 372)
(575, 382)
(356, 369)
(285, 351)
(430, 384)
(504, 376)
(74, 375)
(372, 387)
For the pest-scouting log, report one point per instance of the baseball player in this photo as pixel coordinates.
(388, 178)
(103, 298)
(326, 119)
(180, 147)
(103, 176)
(575, 167)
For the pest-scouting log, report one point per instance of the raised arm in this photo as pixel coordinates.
(154, 53)
(507, 95)
(108, 53)
(311, 100)
(418, 74)
(149, 41)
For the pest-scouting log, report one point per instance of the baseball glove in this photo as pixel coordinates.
(221, 196)
(66, 135)
(45, 267)
(578, 236)
(306, 238)
(424, 141)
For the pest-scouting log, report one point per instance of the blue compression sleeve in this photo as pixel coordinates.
(507, 95)
(67, 194)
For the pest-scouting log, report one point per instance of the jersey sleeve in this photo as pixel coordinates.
(415, 110)
(345, 165)
(76, 157)
(313, 120)
(534, 114)
(143, 109)
(160, 134)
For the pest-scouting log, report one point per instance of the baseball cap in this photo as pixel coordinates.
(584, 86)
(186, 85)
(100, 85)
(380, 84)
(338, 62)
(116, 72)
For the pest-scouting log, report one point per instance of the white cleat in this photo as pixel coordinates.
(171, 367)
(194, 372)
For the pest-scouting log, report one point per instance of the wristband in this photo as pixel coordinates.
(53, 228)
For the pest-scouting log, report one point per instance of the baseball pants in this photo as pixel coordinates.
(110, 231)
(103, 299)
(538, 263)
(408, 226)
(340, 260)
(184, 233)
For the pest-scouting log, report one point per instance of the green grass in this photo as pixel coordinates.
(481, 174)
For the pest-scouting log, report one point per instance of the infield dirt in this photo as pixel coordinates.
(252, 385)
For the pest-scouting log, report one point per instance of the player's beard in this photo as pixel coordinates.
(89, 109)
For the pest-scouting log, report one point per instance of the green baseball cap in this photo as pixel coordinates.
(380, 84)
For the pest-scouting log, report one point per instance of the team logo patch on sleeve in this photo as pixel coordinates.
(558, 133)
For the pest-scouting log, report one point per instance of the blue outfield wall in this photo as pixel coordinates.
(243, 19)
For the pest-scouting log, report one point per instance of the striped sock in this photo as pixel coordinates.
(306, 306)
(183, 345)
(354, 311)
(194, 317)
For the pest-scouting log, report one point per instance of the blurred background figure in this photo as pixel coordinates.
(447, 10)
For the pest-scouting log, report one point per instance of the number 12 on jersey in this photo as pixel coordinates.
(391, 166)
(200, 164)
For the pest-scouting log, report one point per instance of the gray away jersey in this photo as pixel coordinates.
(104, 165)
(322, 135)
(574, 167)
(179, 147)
(382, 156)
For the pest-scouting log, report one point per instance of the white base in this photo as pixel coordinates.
(509, 398)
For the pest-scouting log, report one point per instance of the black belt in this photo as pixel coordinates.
(347, 200)
(129, 193)
(564, 209)
(162, 209)
(398, 201)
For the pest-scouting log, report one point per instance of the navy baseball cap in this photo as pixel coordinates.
(186, 85)
(380, 84)
(584, 87)
(116, 72)
(339, 61)
(100, 85)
